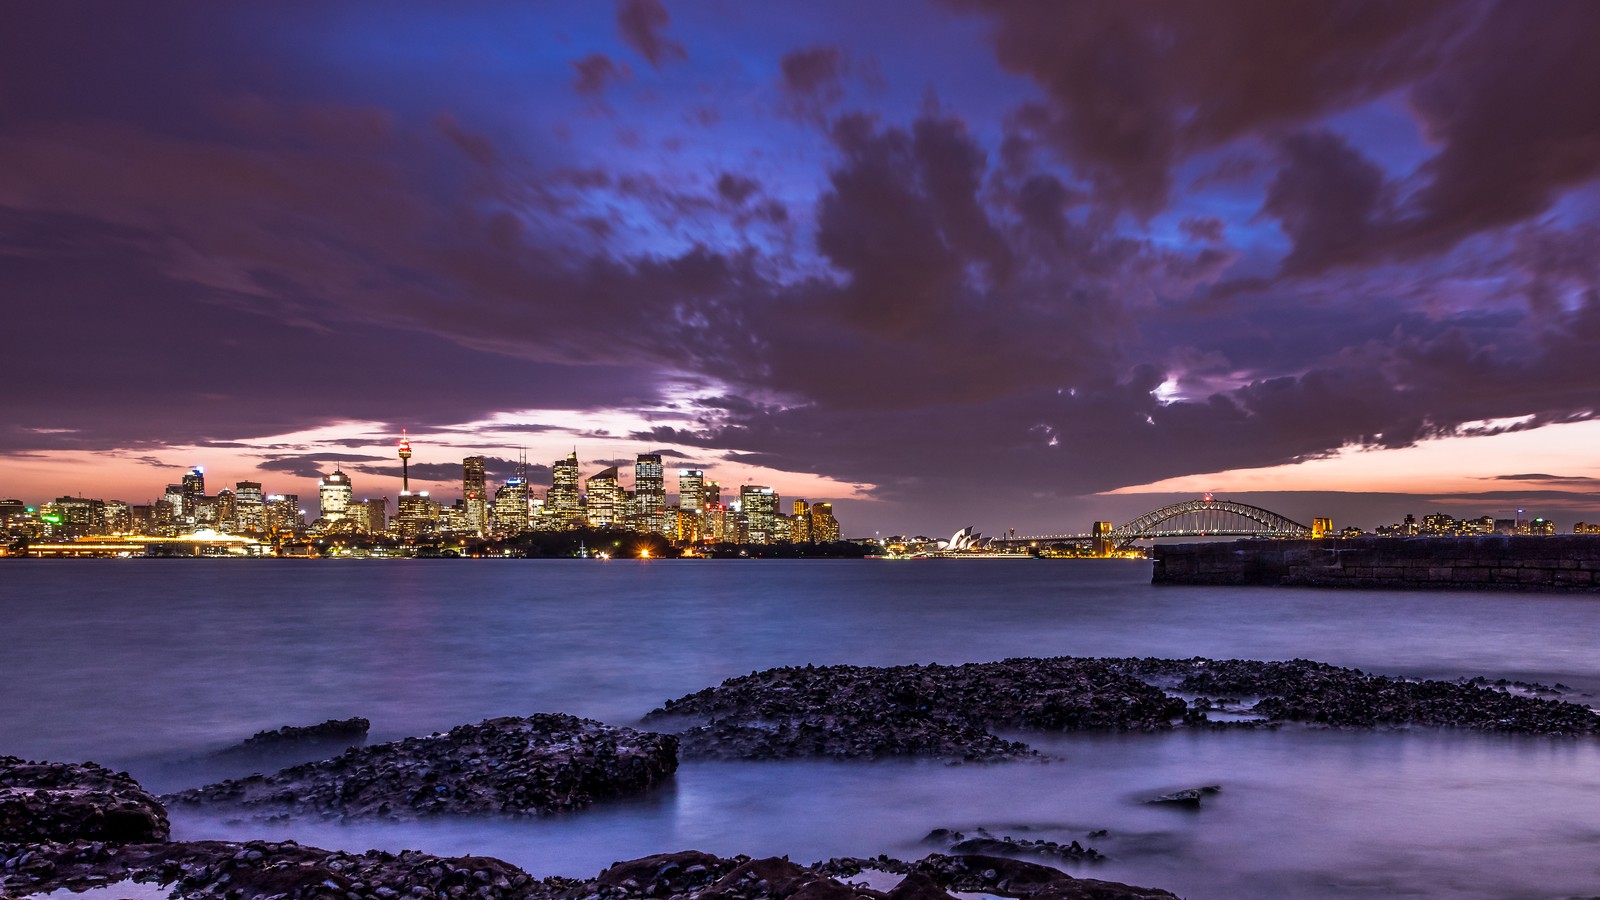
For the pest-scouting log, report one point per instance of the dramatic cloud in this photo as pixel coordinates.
(641, 23)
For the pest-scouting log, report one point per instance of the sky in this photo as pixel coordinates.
(1011, 263)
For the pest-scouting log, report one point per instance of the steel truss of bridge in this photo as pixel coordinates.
(1205, 517)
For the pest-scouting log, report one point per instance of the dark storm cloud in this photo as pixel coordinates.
(641, 24)
(1135, 88)
(595, 73)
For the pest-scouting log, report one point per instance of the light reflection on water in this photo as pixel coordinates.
(147, 664)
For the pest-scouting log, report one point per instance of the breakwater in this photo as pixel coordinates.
(1561, 563)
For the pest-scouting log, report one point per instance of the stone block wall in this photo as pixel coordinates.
(1560, 563)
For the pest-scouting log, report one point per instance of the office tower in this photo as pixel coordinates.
(683, 525)
(227, 511)
(334, 493)
(710, 495)
(561, 507)
(758, 504)
(649, 494)
(174, 495)
(377, 514)
(192, 489)
(405, 463)
(248, 506)
(164, 516)
(691, 490)
(74, 517)
(511, 507)
(283, 513)
(355, 518)
(824, 527)
(418, 515)
(800, 523)
(474, 494)
(607, 504)
(119, 517)
(714, 523)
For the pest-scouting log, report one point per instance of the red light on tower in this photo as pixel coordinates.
(1207, 497)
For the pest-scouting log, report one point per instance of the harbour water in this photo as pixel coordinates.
(148, 665)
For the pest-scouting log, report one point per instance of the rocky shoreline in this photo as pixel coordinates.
(508, 766)
(79, 825)
(952, 712)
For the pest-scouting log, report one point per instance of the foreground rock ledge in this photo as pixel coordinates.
(947, 712)
(507, 766)
(258, 870)
(42, 801)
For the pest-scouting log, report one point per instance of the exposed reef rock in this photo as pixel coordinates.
(257, 870)
(334, 731)
(507, 766)
(983, 843)
(854, 712)
(41, 801)
(847, 712)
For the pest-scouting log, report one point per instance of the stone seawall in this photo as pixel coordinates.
(1560, 563)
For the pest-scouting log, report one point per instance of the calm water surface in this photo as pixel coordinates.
(146, 664)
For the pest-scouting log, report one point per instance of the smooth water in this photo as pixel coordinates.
(145, 665)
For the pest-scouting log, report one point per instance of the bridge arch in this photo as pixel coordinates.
(1206, 517)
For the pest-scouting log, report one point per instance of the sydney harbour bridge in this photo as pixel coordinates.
(1203, 517)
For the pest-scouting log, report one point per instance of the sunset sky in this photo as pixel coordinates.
(1011, 264)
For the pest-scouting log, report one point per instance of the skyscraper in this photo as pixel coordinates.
(691, 490)
(824, 527)
(194, 487)
(474, 494)
(511, 507)
(649, 494)
(334, 493)
(248, 503)
(561, 506)
(606, 504)
(800, 523)
(759, 504)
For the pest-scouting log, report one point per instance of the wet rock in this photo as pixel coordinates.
(42, 801)
(507, 766)
(337, 732)
(285, 870)
(850, 712)
(1188, 798)
(986, 844)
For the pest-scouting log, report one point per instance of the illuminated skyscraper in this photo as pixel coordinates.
(248, 503)
(511, 507)
(649, 494)
(607, 503)
(417, 516)
(194, 487)
(824, 527)
(561, 506)
(474, 494)
(227, 509)
(759, 504)
(283, 513)
(334, 494)
(800, 523)
(711, 495)
(691, 490)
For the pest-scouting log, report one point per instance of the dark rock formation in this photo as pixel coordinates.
(983, 843)
(334, 731)
(1300, 690)
(257, 870)
(42, 801)
(941, 711)
(847, 712)
(993, 875)
(507, 766)
(1188, 798)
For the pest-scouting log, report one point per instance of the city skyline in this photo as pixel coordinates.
(1012, 259)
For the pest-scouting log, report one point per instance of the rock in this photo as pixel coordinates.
(42, 801)
(1188, 798)
(855, 712)
(338, 732)
(984, 843)
(507, 766)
